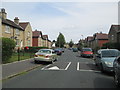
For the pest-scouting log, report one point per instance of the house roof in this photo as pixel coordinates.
(11, 23)
(89, 38)
(23, 24)
(45, 37)
(116, 28)
(101, 36)
(36, 33)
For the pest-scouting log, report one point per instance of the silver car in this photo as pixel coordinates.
(45, 55)
(116, 68)
(104, 59)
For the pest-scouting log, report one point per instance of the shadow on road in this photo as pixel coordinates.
(100, 82)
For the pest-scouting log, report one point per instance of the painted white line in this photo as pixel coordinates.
(68, 66)
(88, 70)
(54, 69)
(46, 67)
(78, 64)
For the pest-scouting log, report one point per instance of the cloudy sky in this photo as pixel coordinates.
(72, 19)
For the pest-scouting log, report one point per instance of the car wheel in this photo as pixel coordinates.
(35, 61)
(116, 80)
(56, 59)
(96, 64)
(101, 68)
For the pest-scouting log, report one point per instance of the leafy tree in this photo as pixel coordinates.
(71, 43)
(60, 40)
(7, 48)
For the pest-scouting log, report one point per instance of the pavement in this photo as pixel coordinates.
(13, 69)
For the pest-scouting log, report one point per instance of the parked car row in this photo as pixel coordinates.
(108, 60)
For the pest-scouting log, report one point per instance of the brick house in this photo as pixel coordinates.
(37, 39)
(40, 40)
(11, 29)
(45, 40)
(118, 36)
(88, 40)
(112, 35)
(99, 39)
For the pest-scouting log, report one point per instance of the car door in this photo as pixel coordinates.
(118, 66)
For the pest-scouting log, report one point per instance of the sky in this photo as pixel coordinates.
(75, 20)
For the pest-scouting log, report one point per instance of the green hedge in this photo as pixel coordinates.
(111, 46)
(34, 49)
(7, 48)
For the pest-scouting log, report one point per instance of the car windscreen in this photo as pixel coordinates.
(87, 49)
(110, 53)
(45, 51)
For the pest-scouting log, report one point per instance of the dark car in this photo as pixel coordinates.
(86, 52)
(75, 50)
(58, 51)
(116, 68)
(61, 49)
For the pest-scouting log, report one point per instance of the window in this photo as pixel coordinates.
(17, 31)
(112, 37)
(28, 34)
(17, 42)
(7, 30)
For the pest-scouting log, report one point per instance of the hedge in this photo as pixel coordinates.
(8, 46)
(34, 49)
(111, 46)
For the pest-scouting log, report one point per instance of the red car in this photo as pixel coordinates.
(86, 52)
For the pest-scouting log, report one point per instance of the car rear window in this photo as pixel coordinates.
(87, 49)
(45, 51)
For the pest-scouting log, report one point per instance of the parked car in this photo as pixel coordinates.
(86, 52)
(70, 48)
(58, 51)
(75, 50)
(61, 49)
(104, 59)
(45, 55)
(116, 69)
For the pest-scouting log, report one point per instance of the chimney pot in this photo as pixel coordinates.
(3, 13)
(16, 20)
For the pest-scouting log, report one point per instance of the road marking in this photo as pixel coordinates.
(78, 64)
(68, 66)
(88, 70)
(53, 68)
(46, 67)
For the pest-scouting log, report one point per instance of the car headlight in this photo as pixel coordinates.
(109, 63)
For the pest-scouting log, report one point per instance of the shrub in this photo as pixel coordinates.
(33, 49)
(111, 46)
(7, 48)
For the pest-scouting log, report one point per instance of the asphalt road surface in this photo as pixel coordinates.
(70, 71)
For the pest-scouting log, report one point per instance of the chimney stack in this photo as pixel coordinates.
(16, 20)
(3, 14)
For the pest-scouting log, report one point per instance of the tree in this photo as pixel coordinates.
(71, 43)
(60, 40)
(7, 48)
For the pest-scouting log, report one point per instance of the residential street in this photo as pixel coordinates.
(70, 71)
